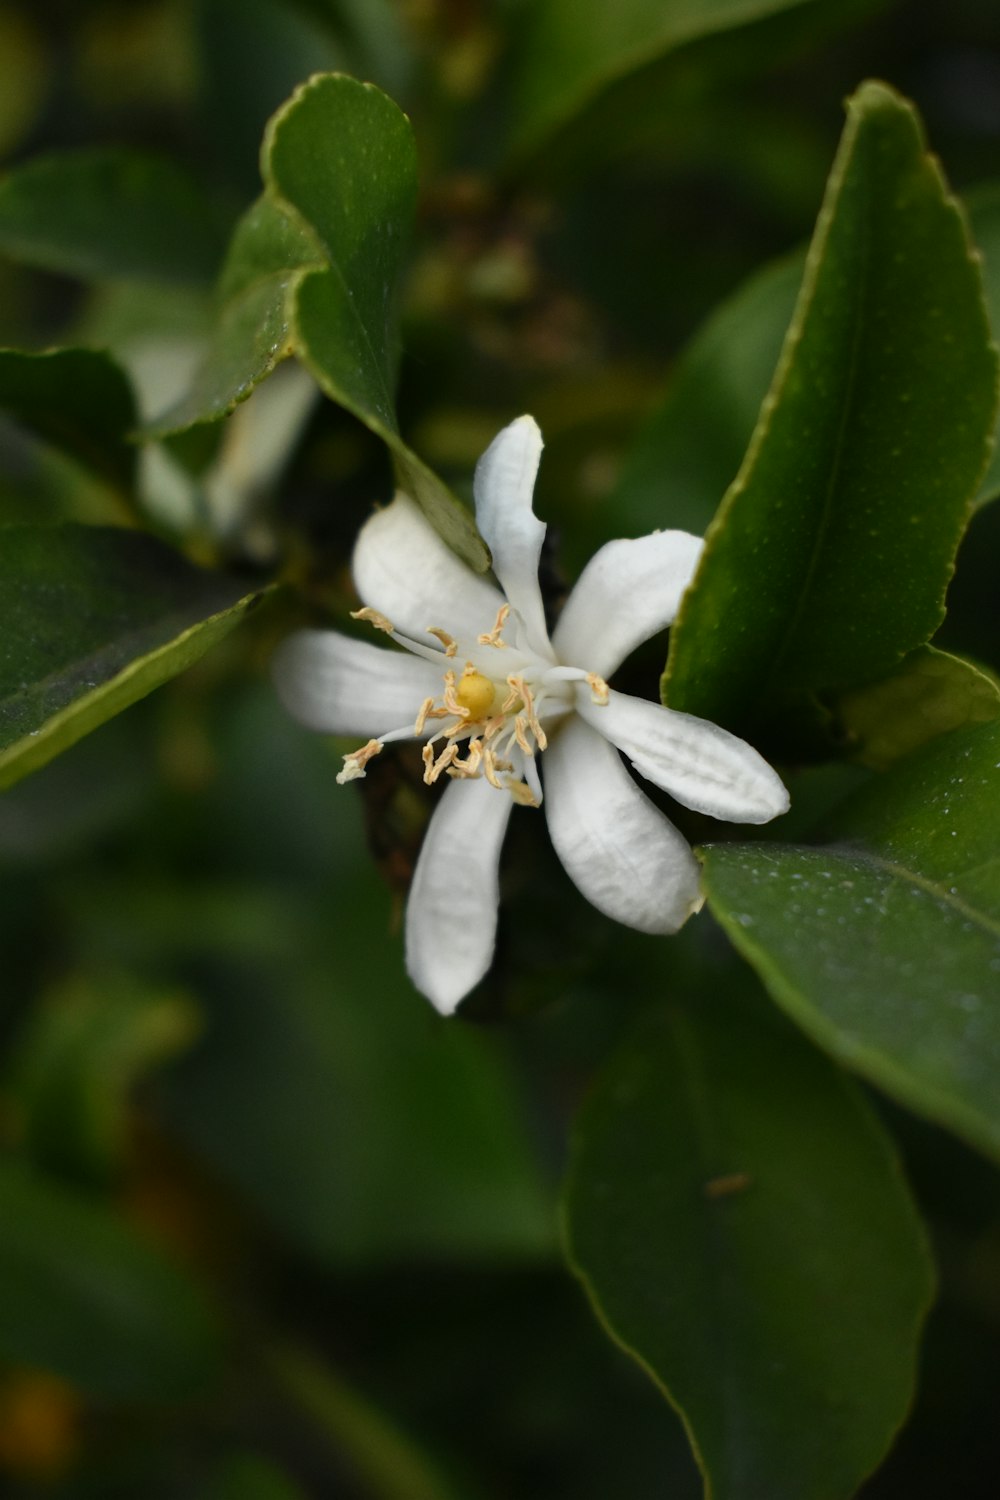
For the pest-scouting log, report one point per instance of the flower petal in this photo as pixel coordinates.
(623, 854)
(403, 569)
(702, 766)
(340, 686)
(627, 592)
(504, 483)
(451, 916)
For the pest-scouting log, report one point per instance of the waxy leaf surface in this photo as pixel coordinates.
(884, 945)
(110, 214)
(91, 619)
(78, 400)
(572, 50)
(829, 559)
(83, 1296)
(742, 1226)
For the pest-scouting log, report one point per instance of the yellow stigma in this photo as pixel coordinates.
(475, 692)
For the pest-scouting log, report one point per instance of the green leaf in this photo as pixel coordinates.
(83, 1296)
(570, 51)
(928, 694)
(108, 214)
(885, 945)
(341, 156)
(741, 1224)
(829, 559)
(691, 448)
(314, 271)
(253, 332)
(79, 400)
(244, 1476)
(984, 219)
(93, 618)
(76, 1061)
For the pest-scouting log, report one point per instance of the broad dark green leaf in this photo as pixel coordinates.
(91, 619)
(74, 1065)
(570, 51)
(691, 448)
(108, 214)
(929, 693)
(253, 333)
(885, 944)
(79, 400)
(740, 1221)
(341, 155)
(829, 559)
(83, 1296)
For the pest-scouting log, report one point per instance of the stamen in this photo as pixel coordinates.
(492, 637)
(599, 690)
(532, 716)
(425, 709)
(490, 769)
(470, 766)
(433, 770)
(373, 617)
(515, 696)
(521, 792)
(355, 762)
(520, 725)
(451, 703)
(448, 641)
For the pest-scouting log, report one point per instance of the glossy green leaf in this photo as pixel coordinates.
(570, 51)
(76, 1061)
(93, 618)
(885, 945)
(109, 214)
(984, 220)
(83, 1296)
(829, 559)
(341, 155)
(253, 333)
(929, 693)
(691, 448)
(741, 1224)
(78, 400)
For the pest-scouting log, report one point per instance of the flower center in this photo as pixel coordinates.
(491, 721)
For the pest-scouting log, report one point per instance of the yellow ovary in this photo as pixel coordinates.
(476, 693)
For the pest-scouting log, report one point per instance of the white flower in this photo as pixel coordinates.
(486, 689)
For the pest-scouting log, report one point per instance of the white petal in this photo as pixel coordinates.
(340, 686)
(703, 766)
(623, 854)
(403, 569)
(451, 916)
(505, 480)
(627, 592)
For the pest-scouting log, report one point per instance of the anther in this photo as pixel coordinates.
(373, 617)
(599, 690)
(492, 637)
(448, 641)
(355, 762)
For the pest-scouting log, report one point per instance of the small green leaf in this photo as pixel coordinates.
(570, 51)
(341, 156)
(110, 214)
(93, 618)
(885, 945)
(928, 694)
(253, 333)
(78, 400)
(76, 1061)
(829, 559)
(741, 1224)
(83, 1296)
